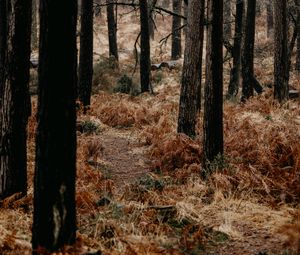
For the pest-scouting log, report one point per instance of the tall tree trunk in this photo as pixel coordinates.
(233, 87)
(213, 105)
(270, 18)
(151, 18)
(34, 33)
(112, 30)
(281, 70)
(248, 51)
(176, 32)
(298, 38)
(227, 20)
(192, 67)
(145, 47)
(85, 77)
(54, 218)
(15, 27)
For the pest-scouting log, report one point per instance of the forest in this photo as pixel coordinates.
(149, 127)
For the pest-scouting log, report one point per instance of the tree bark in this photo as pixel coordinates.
(145, 65)
(112, 31)
(233, 87)
(15, 33)
(54, 223)
(281, 70)
(34, 33)
(213, 105)
(85, 77)
(227, 20)
(192, 69)
(270, 18)
(176, 32)
(248, 51)
(298, 38)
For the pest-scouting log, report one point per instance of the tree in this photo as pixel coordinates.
(233, 87)
(213, 105)
(227, 20)
(248, 51)
(34, 34)
(15, 27)
(191, 72)
(145, 47)
(298, 37)
(270, 18)
(54, 223)
(176, 31)
(85, 74)
(112, 30)
(281, 70)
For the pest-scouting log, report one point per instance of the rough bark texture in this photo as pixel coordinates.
(176, 32)
(298, 38)
(54, 182)
(145, 47)
(281, 70)
(248, 50)
(112, 30)
(270, 18)
(191, 72)
(213, 105)
(151, 18)
(15, 27)
(34, 33)
(85, 74)
(227, 20)
(233, 87)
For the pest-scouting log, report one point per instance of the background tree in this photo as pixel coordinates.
(85, 77)
(227, 20)
(112, 30)
(15, 27)
(145, 47)
(298, 37)
(191, 71)
(248, 50)
(176, 32)
(54, 182)
(233, 87)
(281, 70)
(270, 17)
(34, 26)
(213, 105)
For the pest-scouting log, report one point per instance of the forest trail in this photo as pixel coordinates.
(123, 159)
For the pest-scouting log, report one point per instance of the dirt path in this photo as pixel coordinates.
(123, 157)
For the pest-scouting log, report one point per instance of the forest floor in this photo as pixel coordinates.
(138, 184)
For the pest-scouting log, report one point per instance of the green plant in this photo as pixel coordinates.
(90, 127)
(124, 85)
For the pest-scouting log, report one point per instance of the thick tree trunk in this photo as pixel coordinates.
(227, 20)
(176, 32)
(233, 87)
(192, 68)
(270, 18)
(15, 27)
(213, 105)
(281, 70)
(85, 77)
(248, 50)
(145, 64)
(34, 33)
(54, 218)
(298, 38)
(112, 30)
